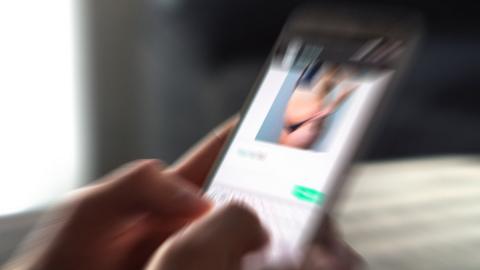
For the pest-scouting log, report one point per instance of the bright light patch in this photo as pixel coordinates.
(40, 153)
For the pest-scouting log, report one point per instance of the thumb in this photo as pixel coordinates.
(218, 241)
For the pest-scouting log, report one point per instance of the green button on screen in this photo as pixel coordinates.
(308, 194)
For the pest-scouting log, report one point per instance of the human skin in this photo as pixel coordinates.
(308, 107)
(147, 215)
(119, 221)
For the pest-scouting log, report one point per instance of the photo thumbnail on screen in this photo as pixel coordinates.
(314, 98)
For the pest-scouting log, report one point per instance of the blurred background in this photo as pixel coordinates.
(88, 85)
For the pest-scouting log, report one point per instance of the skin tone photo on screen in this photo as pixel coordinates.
(308, 108)
(147, 215)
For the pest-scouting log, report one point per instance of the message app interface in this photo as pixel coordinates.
(300, 123)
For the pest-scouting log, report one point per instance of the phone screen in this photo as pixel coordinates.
(303, 120)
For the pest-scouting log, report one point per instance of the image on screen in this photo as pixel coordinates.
(304, 113)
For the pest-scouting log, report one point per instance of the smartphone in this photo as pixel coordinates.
(319, 93)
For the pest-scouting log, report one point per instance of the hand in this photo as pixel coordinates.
(220, 241)
(119, 222)
(330, 252)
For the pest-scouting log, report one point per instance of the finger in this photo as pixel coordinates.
(316, 258)
(218, 241)
(327, 234)
(330, 251)
(196, 163)
(145, 187)
(149, 236)
(331, 237)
